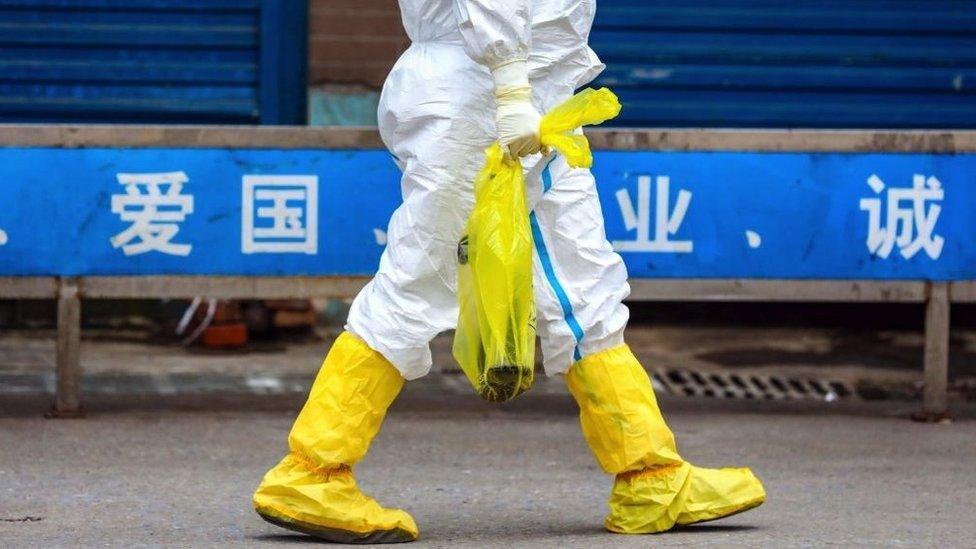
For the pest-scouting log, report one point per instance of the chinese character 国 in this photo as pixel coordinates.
(279, 214)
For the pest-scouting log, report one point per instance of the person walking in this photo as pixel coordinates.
(478, 71)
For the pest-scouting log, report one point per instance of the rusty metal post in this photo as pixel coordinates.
(936, 376)
(67, 399)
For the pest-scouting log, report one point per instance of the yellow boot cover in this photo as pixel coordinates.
(312, 490)
(654, 489)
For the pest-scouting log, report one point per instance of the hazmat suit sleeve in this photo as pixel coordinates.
(495, 32)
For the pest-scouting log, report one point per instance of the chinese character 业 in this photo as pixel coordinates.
(152, 203)
(665, 224)
(279, 214)
(910, 220)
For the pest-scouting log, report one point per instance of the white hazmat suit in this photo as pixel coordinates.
(464, 82)
(437, 116)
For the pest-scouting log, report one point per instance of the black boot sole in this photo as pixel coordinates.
(335, 535)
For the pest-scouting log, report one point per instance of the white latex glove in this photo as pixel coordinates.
(516, 119)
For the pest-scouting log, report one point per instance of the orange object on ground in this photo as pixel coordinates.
(225, 336)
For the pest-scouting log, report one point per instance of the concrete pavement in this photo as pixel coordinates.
(179, 473)
(876, 364)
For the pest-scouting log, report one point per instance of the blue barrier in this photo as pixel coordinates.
(193, 211)
(842, 216)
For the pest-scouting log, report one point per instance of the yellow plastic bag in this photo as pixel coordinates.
(495, 338)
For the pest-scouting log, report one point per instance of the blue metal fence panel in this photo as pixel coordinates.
(284, 58)
(325, 212)
(158, 61)
(806, 63)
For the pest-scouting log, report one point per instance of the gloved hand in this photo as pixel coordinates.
(516, 119)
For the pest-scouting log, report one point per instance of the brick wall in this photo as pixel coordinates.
(353, 41)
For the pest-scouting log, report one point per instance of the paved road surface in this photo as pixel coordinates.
(179, 474)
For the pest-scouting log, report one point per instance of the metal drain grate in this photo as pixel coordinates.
(750, 385)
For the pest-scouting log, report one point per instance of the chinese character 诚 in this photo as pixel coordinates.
(910, 217)
(279, 214)
(152, 203)
(665, 224)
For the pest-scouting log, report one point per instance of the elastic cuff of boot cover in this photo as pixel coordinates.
(622, 350)
(326, 472)
(647, 472)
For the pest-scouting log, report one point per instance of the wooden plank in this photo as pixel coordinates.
(300, 137)
(781, 140)
(963, 292)
(28, 287)
(936, 374)
(222, 287)
(284, 287)
(229, 287)
(866, 291)
(191, 137)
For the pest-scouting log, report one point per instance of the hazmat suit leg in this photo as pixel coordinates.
(580, 282)
(436, 118)
(654, 489)
(312, 490)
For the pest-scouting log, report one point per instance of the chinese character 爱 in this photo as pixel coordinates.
(152, 203)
